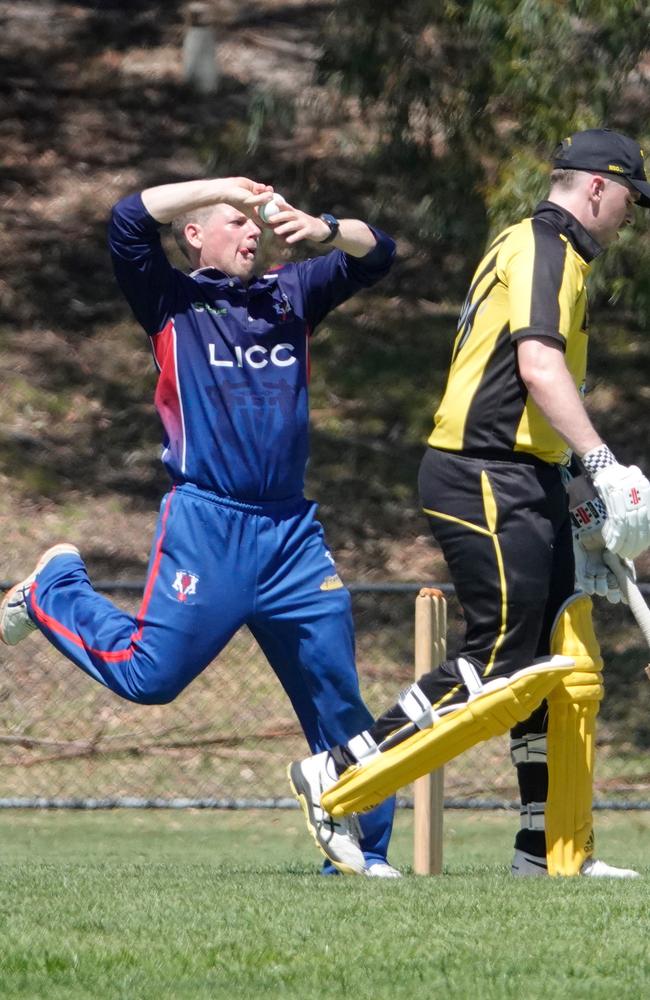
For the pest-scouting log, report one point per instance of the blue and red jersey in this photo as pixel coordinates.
(232, 358)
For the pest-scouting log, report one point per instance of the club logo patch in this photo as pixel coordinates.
(332, 583)
(283, 308)
(185, 584)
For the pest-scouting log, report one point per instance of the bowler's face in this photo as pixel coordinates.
(229, 242)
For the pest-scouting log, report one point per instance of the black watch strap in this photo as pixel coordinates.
(333, 223)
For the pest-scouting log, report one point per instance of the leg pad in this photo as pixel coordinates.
(572, 709)
(493, 711)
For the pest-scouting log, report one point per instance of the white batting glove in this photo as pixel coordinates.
(588, 518)
(593, 577)
(625, 491)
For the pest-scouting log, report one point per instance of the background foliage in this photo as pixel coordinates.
(469, 99)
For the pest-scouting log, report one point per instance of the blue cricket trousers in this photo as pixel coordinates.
(215, 565)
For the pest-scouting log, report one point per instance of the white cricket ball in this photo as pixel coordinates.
(272, 207)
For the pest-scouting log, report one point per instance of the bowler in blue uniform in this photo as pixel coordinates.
(236, 541)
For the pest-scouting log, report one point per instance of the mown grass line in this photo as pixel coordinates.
(148, 906)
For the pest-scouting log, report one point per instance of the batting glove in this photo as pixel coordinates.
(588, 517)
(594, 577)
(625, 491)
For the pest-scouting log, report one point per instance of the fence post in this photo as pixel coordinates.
(199, 49)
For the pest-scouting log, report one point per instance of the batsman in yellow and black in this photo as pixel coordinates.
(509, 434)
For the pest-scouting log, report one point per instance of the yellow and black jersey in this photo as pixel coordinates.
(530, 283)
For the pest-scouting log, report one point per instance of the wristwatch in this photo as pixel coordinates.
(333, 223)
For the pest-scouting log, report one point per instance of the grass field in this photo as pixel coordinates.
(175, 905)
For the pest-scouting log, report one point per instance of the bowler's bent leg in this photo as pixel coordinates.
(193, 603)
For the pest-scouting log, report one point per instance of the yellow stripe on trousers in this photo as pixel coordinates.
(491, 518)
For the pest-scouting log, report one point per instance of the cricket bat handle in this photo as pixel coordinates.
(632, 595)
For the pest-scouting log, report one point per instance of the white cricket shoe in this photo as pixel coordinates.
(15, 623)
(381, 869)
(338, 839)
(524, 864)
(600, 869)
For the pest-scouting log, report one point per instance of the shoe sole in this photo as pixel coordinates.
(5, 601)
(306, 808)
(56, 550)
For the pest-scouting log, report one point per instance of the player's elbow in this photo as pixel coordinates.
(536, 378)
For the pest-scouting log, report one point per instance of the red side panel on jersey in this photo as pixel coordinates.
(168, 394)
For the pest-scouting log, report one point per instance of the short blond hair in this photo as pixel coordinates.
(565, 179)
(198, 215)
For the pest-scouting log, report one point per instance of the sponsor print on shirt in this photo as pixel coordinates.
(258, 413)
(255, 356)
(334, 581)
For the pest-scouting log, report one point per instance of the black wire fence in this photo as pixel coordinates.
(66, 742)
